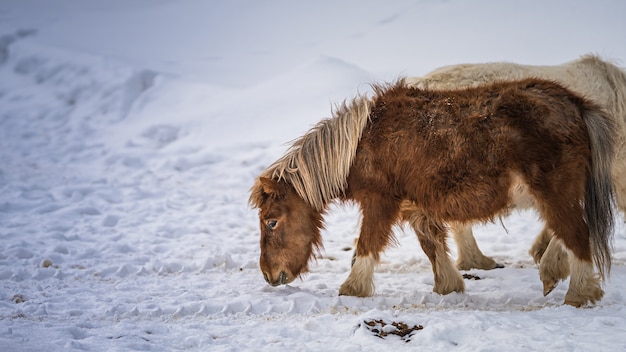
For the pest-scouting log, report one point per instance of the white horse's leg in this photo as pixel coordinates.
(469, 254)
(619, 173)
(553, 265)
(360, 282)
(432, 238)
(584, 285)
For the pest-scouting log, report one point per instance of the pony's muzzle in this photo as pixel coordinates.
(266, 277)
(282, 279)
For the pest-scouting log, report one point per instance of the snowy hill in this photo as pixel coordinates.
(130, 133)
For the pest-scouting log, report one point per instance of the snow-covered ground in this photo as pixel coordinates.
(131, 131)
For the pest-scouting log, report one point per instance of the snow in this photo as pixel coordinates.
(130, 133)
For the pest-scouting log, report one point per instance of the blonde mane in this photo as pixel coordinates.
(317, 164)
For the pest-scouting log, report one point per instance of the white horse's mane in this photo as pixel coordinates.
(616, 78)
(588, 75)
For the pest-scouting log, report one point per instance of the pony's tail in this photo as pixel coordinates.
(599, 199)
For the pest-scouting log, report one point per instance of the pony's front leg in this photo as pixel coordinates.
(379, 215)
(360, 282)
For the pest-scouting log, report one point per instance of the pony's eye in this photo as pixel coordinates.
(271, 224)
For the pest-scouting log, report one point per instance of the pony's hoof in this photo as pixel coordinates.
(589, 295)
(361, 291)
(482, 263)
(447, 290)
(576, 304)
(456, 285)
(549, 286)
(579, 302)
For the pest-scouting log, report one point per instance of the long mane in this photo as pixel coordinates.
(317, 164)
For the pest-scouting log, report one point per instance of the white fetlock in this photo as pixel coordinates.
(360, 282)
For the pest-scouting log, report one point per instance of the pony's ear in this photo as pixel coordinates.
(263, 189)
(271, 187)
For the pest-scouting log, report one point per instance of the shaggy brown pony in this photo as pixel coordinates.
(457, 156)
(591, 76)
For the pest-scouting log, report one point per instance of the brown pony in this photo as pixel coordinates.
(591, 76)
(457, 156)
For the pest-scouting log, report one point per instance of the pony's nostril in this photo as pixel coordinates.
(282, 278)
(266, 277)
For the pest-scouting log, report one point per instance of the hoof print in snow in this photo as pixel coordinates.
(382, 329)
(18, 298)
(471, 277)
(46, 263)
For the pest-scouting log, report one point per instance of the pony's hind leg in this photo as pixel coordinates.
(570, 228)
(432, 238)
(553, 265)
(379, 215)
(584, 286)
(470, 256)
(541, 244)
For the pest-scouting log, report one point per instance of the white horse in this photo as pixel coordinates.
(598, 80)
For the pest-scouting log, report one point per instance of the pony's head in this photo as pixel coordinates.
(290, 230)
(293, 192)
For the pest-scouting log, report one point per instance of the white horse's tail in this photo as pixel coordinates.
(599, 198)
